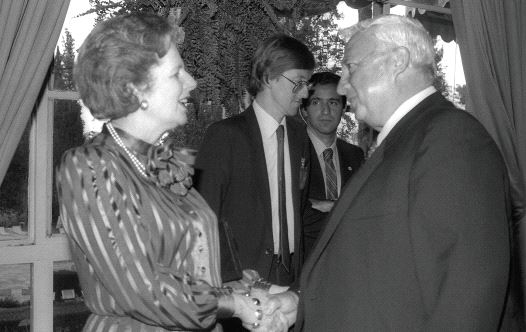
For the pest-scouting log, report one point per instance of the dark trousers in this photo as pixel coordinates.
(278, 275)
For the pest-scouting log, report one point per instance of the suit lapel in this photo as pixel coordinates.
(295, 143)
(317, 183)
(345, 163)
(297, 137)
(257, 155)
(413, 118)
(349, 193)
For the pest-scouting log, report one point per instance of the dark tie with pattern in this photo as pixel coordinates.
(330, 175)
(284, 251)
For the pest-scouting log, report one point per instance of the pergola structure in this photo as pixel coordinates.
(435, 15)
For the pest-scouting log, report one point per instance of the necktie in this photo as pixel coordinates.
(331, 183)
(284, 251)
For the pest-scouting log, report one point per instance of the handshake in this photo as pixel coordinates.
(260, 306)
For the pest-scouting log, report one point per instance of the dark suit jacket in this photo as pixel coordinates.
(231, 174)
(351, 158)
(419, 239)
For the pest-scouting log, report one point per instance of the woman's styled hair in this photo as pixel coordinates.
(276, 55)
(400, 31)
(117, 52)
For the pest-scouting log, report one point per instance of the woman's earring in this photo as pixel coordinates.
(143, 105)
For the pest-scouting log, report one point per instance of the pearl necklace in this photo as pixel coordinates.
(138, 165)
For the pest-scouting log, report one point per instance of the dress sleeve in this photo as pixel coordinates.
(115, 251)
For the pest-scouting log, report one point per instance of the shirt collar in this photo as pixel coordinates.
(402, 110)
(267, 124)
(319, 146)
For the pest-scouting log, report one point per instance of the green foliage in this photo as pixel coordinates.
(440, 78)
(220, 39)
(319, 33)
(68, 59)
(347, 130)
(10, 302)
(9, 217)
(108, 8)
(63, 64)
(462, 93)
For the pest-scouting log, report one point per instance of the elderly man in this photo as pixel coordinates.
(418, 240)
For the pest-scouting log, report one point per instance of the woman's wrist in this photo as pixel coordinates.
(226, 306)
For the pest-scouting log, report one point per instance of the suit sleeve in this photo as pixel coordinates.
(211, 167)
(458, 219)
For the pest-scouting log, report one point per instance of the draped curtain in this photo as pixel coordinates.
(492, 39)
(29, 31)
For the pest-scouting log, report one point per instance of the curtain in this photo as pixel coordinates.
(492, 39)
(29, 31)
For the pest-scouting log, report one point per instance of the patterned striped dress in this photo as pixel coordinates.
(147, 255)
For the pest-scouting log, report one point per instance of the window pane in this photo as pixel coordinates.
(67, 133)
(62, 72)
(76, 27)
(13, 193)
(15, 291)
(69, 311)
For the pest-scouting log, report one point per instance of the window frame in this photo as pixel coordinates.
(41, 249)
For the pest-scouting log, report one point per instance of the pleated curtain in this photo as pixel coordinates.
(492, 39)
(29, 31)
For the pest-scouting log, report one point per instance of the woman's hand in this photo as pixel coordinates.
(251, 310)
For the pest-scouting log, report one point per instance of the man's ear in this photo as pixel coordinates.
(400, 59)
(266, 79)
(304, 115)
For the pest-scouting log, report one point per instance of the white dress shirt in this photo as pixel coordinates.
(402, 110)
(267, 127)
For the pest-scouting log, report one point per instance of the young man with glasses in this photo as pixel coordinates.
(252, 167)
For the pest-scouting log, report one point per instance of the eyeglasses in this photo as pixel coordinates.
(298, 85)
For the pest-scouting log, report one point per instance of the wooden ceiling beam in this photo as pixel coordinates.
(415, 4)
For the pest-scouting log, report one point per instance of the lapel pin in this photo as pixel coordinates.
(349, 168)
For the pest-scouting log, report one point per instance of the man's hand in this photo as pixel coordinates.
(285, 303)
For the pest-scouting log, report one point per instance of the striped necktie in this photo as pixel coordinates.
(331, 183)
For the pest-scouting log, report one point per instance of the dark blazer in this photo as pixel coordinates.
(351, 158)
(231, 174)
(418, 241)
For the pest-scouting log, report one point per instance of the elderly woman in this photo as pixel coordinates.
(144, 242)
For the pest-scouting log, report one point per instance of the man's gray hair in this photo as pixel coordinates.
(399, 31)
